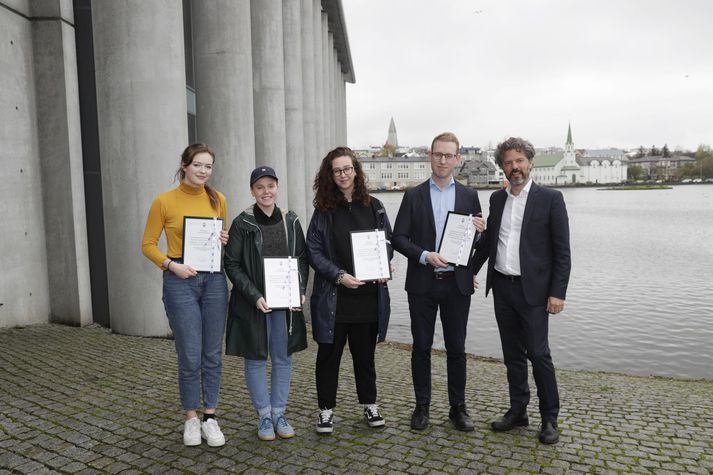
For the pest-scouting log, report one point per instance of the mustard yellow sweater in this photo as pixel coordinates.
(166, 214)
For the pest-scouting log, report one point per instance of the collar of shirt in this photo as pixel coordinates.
(525, 190)
(433, 184)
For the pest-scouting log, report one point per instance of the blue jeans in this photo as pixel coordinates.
(275, 401)
(196, 308)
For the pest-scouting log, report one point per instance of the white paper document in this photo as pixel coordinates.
(201, 243)
(282, 283)
(457, 238)
(370, 254)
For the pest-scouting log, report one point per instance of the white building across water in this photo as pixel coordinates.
(567, 168)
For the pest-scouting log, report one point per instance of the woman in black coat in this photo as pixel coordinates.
(343, 307)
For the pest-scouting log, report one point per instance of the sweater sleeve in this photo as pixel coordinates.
(152, 233)
(223, 210)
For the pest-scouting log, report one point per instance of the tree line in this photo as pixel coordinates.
(703, 168)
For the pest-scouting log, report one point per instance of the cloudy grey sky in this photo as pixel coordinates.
(624, 72)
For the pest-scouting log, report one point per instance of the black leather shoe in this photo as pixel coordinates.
(549, 433)
(510, 420)
(419, 418)
(460, 418)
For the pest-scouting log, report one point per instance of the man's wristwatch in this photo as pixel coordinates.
(340, 276)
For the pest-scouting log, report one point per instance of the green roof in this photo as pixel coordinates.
(547, 159)
(569, 134)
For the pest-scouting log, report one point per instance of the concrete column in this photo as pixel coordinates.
(24, 293)
(338, 101)
(308, 103)
(60, 147)
(334, 64)
(326, 101)
(340, 104)
(294, 117)
(345, 123)
(269, 89)
(320, 142)
(222, 51)
(141, 102)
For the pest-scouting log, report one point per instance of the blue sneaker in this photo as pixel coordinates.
(283, 428)
(265, 430)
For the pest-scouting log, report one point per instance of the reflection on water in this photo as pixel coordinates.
(640, 298)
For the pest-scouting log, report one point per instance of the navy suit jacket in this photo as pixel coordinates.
(415, 232)
(545, 259)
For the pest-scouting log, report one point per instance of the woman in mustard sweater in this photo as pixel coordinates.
(196, 303)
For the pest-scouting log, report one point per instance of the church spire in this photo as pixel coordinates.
(392, 139)
(569, 146)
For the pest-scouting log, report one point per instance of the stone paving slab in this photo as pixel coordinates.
(84, 400)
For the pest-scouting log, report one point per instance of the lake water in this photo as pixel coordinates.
(640, 296)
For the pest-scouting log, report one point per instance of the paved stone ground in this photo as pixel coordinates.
(85, 401)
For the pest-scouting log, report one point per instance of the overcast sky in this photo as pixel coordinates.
(624, 72)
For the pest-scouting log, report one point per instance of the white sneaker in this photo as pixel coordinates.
(192, 432)
(212, 434)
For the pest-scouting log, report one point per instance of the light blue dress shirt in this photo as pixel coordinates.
(442, 201)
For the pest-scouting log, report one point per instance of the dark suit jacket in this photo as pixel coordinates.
(545, 260)
(415, 231)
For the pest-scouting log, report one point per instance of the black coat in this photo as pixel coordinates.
(545, 259)
(246, 330)
(321, 256)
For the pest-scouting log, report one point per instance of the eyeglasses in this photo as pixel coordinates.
(346, 171)
(447, 156)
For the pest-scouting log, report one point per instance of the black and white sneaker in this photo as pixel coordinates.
(372, 415)
(325, 423)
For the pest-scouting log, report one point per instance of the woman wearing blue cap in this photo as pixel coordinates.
(254, 330)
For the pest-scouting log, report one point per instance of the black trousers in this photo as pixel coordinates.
(362, 345)
(523, 335)
(454, 307)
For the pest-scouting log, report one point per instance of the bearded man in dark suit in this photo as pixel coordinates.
(527, 247)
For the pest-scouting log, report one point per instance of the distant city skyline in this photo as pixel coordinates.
(625, 74)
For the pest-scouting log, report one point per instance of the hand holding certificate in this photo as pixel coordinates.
(457, 239)
(201, 243)
(371, 258)
(282, 283)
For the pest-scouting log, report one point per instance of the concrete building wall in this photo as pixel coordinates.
(294, 105)
(320, 140)
(60, 147)
(24, 289)
(141, 101)
(309, 119)
(326, 98)
(222, 52)
(268, 91)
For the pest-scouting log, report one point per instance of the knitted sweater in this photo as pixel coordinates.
(166, 215)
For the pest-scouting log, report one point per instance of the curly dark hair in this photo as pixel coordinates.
(514, 143)
(327, 196)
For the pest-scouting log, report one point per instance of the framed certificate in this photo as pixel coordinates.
(201, 243)
(369, 255)
(282, 283)
(457, 238)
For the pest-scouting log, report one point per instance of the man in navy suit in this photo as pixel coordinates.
(432, 283)
(527, 248)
